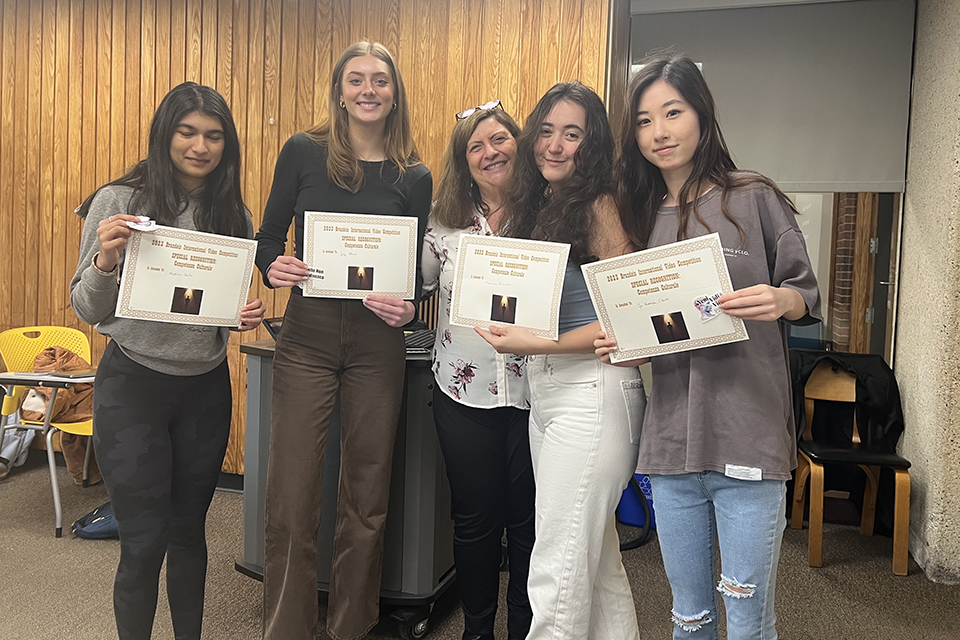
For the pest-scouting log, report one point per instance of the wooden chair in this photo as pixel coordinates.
(829, 382)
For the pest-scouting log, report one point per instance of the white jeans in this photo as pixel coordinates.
(583, 457)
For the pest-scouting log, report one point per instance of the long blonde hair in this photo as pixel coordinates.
(343, 165)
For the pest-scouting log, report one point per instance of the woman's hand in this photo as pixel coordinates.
(604, 346)
(513, 340)
(287, 271)
(251, 315)
(396, 312)
(113, 234)
(763, 302)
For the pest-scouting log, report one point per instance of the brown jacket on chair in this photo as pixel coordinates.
(73, 405)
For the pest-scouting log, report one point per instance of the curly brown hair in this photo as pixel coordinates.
(533, 209)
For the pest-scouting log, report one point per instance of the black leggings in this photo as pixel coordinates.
(160, 441)
(487, 452)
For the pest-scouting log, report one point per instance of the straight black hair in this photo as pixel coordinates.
(157, 192)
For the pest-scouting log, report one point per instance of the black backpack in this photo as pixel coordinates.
(99, 524)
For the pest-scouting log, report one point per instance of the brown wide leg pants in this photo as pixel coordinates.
(329, 345)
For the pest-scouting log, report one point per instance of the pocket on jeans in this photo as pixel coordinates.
(636, 399)
(572, 373)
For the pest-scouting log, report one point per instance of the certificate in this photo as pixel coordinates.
(508, 282)
(664, 300)
(352, 255)
(185, 277)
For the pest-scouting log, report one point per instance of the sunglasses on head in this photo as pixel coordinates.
(466, 113)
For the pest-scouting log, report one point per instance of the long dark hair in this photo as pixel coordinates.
(156, 190)
(640, 185)
(343, 165)
(458, 196)
(535, 210)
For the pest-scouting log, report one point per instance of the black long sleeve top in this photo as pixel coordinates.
(300, 183)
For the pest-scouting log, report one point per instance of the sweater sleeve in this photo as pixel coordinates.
(418, 206)
(791, 263)
(280, 209)
(93, 294)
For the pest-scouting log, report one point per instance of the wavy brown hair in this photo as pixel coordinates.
(640, 185)
(343, 165)
(535, 210)
(458, 196)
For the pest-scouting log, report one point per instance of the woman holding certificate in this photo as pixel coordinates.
(162, 397)
(361, 160)
(580, 430)
(480, 401)
(719, 439)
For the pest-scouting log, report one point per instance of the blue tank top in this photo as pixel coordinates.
(576, 308)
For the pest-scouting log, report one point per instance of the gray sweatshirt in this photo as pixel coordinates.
(174, 349)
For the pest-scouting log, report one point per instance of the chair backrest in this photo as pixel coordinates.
(19, 347)
(829, 382)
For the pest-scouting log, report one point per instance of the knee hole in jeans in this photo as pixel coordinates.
(735, 589)
(691, 623)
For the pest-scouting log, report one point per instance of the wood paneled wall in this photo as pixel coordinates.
(80, 79)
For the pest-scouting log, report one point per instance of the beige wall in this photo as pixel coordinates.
(928, 324)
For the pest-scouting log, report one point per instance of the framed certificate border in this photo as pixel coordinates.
(594, 270)
(470, 241)
(315, 217)
(131, 261)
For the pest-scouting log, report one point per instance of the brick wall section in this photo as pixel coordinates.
(841, 296)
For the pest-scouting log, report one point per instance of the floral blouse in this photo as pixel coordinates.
(467, 368)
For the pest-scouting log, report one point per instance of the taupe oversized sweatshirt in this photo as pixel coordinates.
(731, 404)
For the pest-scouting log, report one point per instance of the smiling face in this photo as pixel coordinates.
(196, 149)
(668, 130)
(561, 133)
(367, 90)
(490, 153)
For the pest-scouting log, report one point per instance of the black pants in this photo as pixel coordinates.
(160, 440)
(487, 452)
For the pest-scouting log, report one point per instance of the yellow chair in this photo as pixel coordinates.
(19, 348)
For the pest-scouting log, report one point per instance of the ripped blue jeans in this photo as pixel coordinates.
(695, 513)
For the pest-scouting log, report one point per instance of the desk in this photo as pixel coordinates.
(418, 540)
(26, 379)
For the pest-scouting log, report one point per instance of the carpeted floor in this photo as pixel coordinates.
(54, 589)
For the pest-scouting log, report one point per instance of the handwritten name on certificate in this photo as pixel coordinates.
(506, 281)
(352, 255)
(664, 300)
(185, 277)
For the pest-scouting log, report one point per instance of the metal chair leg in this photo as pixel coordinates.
(53, 481)
(50, 430)
(86, 462)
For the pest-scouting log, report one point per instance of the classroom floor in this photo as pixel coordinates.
(53, 589)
